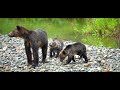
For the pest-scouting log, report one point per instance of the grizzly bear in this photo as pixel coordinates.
(32, 39)
(73, 49)
(55, 47)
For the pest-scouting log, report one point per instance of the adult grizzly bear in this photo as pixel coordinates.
(34, 40)
(73, 49)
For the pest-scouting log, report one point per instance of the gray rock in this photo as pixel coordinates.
(1, 45)
(95, 69)
(13, 58)
(4, 48)
(1, 64)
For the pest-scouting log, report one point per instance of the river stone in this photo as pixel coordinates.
(42, 70)
(87, 64)
(1, 46)
(7, 69)
(95, 69)
(13, 56)
(107, 70)
(4, 48)
(1, 64)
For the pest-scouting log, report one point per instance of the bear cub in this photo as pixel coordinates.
(34, 40)
(73, 49)
(55, 47)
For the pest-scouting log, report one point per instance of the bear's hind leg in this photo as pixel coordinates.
(44, 54)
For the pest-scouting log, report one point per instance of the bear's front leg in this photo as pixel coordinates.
(51, 53)
(73, 59)
(69, 60)
(28, 52)
(35, 55)
(58, 51)
(44, 53)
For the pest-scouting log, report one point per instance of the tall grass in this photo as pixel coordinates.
(54, 27)
(77, 25)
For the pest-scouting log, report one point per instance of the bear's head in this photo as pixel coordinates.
(65, 52)
(53, 44)
(19, 32)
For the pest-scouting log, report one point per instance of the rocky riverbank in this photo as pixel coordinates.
(13, 59)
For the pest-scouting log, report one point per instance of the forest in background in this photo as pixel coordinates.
(68, 28)
(98, 26)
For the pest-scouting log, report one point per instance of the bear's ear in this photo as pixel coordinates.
(18, 27)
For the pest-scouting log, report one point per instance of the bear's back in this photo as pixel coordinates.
(40, 36)
(79, 46)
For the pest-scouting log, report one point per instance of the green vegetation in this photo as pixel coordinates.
(93, 31)
(54, 27)
(98, 26)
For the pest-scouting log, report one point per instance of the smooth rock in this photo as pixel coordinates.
(42, 70)
(4, 48)
(1, 46)
(1, 64)
(87, 64)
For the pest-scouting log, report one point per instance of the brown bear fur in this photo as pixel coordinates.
(34, 40)
(55, 47)
(73, 49)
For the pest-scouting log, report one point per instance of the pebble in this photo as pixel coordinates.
(0, 46)
(4, 48)
(42, 70)
(87, 65)
(1, 64)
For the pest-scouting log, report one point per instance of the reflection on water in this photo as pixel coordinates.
(109, 42)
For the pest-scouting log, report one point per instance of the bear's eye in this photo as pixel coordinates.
(64, 52)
